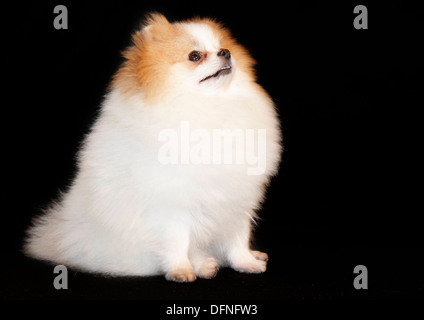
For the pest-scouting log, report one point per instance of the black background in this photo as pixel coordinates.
(349, 188)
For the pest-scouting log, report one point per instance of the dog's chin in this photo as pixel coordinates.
(221, 72)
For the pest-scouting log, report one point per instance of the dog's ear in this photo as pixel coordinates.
(155, 18)
(151, 29)
(155, 23)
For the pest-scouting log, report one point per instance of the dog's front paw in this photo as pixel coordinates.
(181, 275)
(259, 255)
(251, 266)
(208, 269)
(249, 261)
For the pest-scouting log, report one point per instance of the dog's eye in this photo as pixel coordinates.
(195, 56)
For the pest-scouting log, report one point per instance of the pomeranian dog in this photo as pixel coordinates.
(156, 191)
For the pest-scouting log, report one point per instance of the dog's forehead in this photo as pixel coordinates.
(203, 35)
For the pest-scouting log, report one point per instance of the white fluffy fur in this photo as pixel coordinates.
(128, 214)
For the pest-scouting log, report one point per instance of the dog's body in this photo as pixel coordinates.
(127, 213)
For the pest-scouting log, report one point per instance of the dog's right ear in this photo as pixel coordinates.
(155, 18)
(155, 23)
(153, 26)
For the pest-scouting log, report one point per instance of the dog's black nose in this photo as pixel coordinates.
(224, 53)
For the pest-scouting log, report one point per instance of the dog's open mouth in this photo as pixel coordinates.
(223, 71)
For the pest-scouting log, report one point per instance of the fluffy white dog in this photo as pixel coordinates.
(128, 212)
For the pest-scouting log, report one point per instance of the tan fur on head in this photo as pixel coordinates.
(158, 45)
